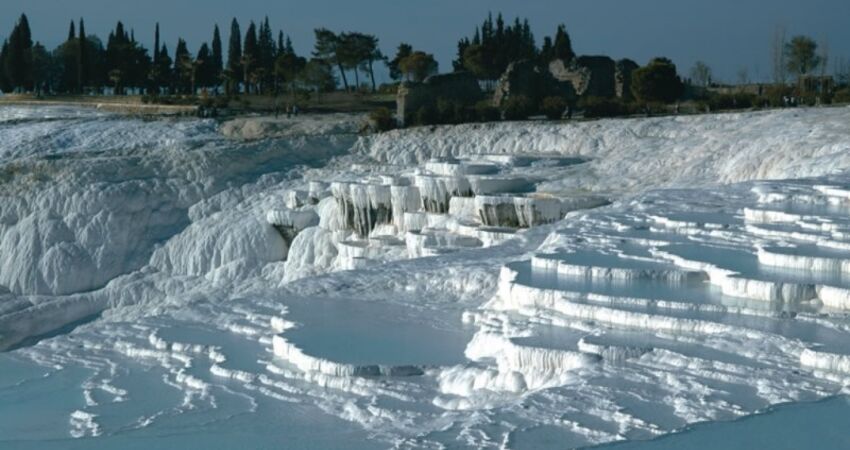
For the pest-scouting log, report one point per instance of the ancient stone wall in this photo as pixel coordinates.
(458, 86)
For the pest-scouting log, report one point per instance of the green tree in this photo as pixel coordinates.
(403, 51)
(67, 56)
(217, 58)
(85, 58)
(458, 63)
(326, 50)
(250, 56)
(657, 82)
(18, 61)
(563, 47)
(288, 67)
(318, 76)
(494, 46)
(801, 55)
(418, 66)
(5, 84)
(205, 73)
(42, 66)
(349, 54)
(184, 67)
(476, 61)
(234, 57)
(365, 52)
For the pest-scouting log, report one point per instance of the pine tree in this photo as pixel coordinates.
(83, 64)
(562, 47)
(265, 55)
(18, 61)
(327, 43)
(183, 66)
(156, 44)
(205, 76)
(250, 56)
(5, 85)
(403, 51)
(216, 64)
(234, 55)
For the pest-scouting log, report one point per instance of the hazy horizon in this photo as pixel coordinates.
(728, 35)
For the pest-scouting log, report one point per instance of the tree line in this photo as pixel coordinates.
(257, 62)
(495, 44)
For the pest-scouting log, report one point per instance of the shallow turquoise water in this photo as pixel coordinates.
(822, 425)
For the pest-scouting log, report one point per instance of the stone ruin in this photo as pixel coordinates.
(585, 76)
(528, 79)
(457, 86)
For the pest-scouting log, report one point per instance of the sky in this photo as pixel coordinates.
(731, 36)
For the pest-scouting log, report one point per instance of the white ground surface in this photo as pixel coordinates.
(180, 284)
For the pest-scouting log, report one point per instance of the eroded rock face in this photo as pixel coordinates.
(589, 75)
(457, 86)
(527, 79)
(596, 76)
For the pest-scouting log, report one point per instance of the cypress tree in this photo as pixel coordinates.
(183, 65)
(83, 62)
(562, 47)
(216, 64)
(5, 85)
(250, 55)
(234, 53)
(156, 44)
(18, 61)
(204, 76)
(72, 33)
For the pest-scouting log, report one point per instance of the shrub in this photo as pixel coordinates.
(222, 101)
(841, 96)
(554, 107)
(595, 107)
(732, 101)
(382, 119)
(518, 107)
(486, 112)
(426, 115)
(446, 111)
(657, 82)
(388, 88)
(464, 113)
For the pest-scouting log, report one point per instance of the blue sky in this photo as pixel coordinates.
(727, 34)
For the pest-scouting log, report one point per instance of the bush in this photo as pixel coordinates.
(554, 107)
(426, 115)
(388, 88)
(446, 111)
(774, 96)
(464, 113)
(732, 101)
(382, 119)
(518, 107)
(486, 112)
(841, 96)
(657, 82)
(596, 107)
(222, 101)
